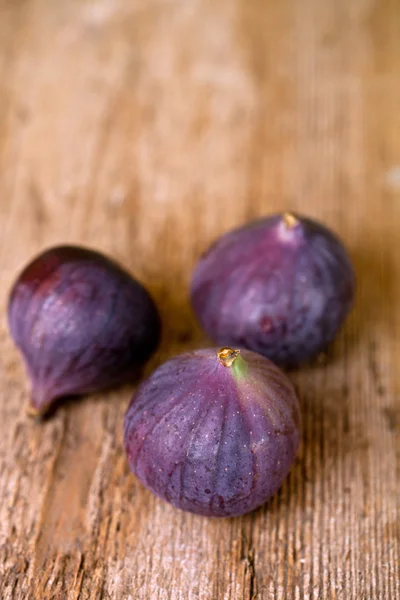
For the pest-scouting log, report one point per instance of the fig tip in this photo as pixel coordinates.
(34, 412)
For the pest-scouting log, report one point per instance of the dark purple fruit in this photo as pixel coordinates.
(281, 286)
(213, 432)
(81, 322)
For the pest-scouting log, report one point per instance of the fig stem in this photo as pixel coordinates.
(231, 358)
(290, 220)
(227, 356)
(31, 411)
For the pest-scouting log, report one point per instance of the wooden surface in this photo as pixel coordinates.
(146, 129)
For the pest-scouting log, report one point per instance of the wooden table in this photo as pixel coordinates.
(146, 129)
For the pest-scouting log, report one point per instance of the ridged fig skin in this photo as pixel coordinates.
(81, 322)
(209, 442)
(281, 286)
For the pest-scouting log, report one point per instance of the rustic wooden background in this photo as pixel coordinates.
(146, 129)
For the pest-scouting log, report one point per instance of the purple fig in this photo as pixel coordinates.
(81, 322)
(213, 432)
(280, 286)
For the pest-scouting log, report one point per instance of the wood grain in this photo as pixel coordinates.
(146, 129)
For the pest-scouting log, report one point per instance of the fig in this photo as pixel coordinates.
(281, 286)
(213, 432)
(81, 322)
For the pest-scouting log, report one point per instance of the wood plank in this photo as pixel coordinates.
(147, 129)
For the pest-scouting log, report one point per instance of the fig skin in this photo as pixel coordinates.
(212, 439)
(281, 286)
(81, 322)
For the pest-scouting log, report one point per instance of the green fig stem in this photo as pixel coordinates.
(290, 220)
(232, 359)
